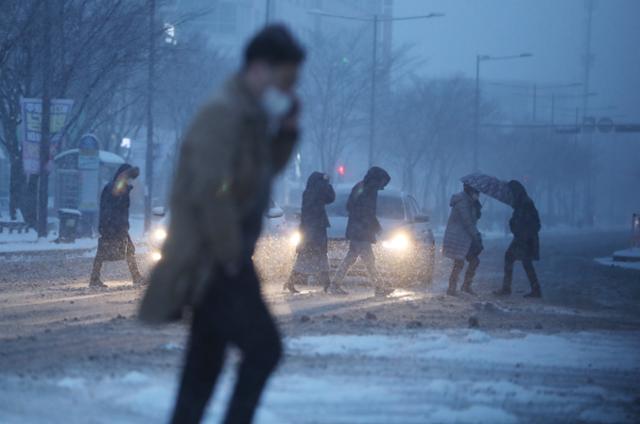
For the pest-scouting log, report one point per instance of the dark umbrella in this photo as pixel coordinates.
(491, 186)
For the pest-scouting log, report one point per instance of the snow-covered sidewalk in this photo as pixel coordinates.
(456, 376)
(28, 242)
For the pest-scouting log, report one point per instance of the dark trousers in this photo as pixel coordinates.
(527, 263)
(297, 278)
(232, 312)
(130, 257)
(458, 265)
(364, 251)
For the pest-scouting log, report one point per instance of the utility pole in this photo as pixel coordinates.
(148, 179)
(372, 106)
(375, 19)
(588, 63)
(45, 129)
(267, 15)
(476, 116)
(476, 109)
(535, 102)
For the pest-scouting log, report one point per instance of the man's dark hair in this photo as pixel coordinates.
(275, 45)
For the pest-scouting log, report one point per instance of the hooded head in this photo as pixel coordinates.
(472, 192)
(377, 178)
(129, 171)
(518, 191)
(123, 175)
(315, 179)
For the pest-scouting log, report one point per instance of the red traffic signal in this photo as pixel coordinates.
(341, 170)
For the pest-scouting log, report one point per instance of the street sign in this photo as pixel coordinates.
(589, 124)
(627, 128)
(605, 125)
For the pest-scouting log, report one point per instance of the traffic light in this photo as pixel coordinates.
(341, 170)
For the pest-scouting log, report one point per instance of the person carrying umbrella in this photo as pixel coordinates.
(525, 246)
(312, 253)
(462, 240)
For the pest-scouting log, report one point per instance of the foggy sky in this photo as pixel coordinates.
(553, 30)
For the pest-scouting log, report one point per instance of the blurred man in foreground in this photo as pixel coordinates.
(235, 147)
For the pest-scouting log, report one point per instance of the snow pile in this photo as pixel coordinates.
(608, 261)
(464, 376)
(568, 350)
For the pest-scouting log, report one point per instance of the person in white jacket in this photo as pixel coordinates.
(462, 240)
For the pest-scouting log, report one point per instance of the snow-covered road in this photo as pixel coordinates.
(69, 354)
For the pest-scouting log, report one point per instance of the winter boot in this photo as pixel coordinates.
(453, 278)
(504, 291)
(453, 283)
(467, 289)
(96, 283)
(294, 278)
(336, 288)
(535, 291)
(139, 280)
(452, 290)
(383, 291)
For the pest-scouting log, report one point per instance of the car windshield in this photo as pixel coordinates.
(389, 206)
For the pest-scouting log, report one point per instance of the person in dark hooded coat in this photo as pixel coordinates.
(363, 228)
(115, 243)
(312, 252)
(525, 246)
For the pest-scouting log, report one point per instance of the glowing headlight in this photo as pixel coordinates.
(295, 239)
(160, 234)
(399, 241)
(156, 256)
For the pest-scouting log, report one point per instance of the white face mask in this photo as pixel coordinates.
(276, 103)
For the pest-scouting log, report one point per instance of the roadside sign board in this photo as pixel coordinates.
(31, 110)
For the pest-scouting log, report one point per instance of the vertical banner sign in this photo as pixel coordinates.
(89, 169)
(31, 125)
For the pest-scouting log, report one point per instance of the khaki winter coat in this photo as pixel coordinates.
(461, 229)
(227, 157)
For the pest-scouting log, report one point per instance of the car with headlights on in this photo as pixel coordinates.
(405, 251)
(273, 228)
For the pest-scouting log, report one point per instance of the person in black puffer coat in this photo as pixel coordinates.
(363, 228)
(525, 247)
(115, 243)
(312, 253)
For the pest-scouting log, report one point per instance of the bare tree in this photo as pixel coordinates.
(95, 45)
(333, 91)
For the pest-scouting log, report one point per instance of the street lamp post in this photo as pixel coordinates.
(372, 104)
(476, 111)
(151, 70)
(375, 19)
